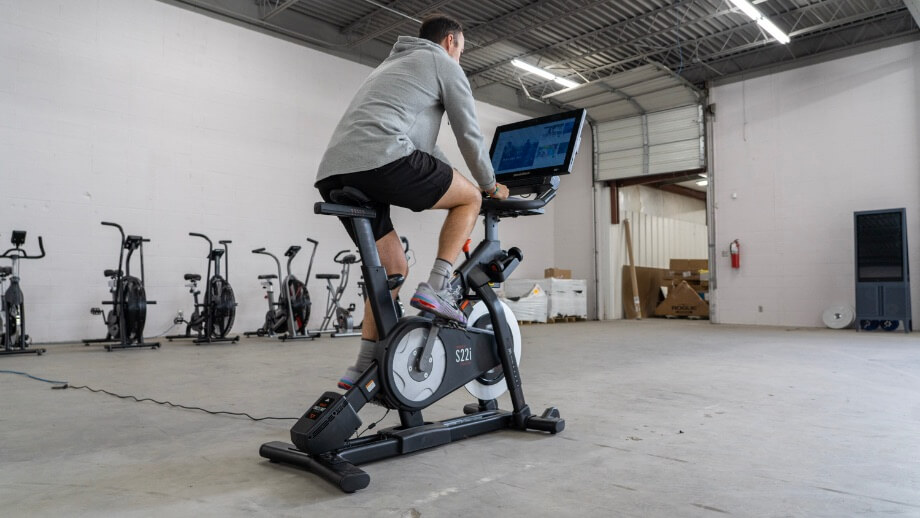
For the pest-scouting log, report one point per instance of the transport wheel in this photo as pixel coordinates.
(869, 325)
(890, 325)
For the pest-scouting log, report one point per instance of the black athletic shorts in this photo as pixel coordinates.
(416, 182)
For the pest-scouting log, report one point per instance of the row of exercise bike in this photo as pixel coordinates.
(213, 315)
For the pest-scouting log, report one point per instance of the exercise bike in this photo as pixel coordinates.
(288, 317)
(125, 321)
(13, 335)
(212, 319)
(338, 320)
(421, 359)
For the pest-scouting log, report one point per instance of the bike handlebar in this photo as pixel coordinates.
(206, 238)
(22, 254)
(110, 224)
(116, 225)
(315, 242)
(258, 250)
(336, 258)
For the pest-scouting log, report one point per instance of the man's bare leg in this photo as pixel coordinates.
(462, 201)
(393, 258)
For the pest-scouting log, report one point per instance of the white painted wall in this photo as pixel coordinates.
(796, 153)
(167, 121)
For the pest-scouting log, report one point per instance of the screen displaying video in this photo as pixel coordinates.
(532, 147)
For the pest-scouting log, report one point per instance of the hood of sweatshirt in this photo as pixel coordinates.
(409, 43)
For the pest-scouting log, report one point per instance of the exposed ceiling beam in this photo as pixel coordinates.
(684, 191)
(914, 7)
(414, 17)
(278, 8)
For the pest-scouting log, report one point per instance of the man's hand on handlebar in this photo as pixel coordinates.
(500, 194)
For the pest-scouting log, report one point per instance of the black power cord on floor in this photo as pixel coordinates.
(62, 385)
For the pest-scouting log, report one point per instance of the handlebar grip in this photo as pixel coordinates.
(315, 242)
(110, 224)
(258, 250)
(225, 242)
(41, 247)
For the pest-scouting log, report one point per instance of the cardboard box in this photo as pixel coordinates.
(689, 265)
(694, 271)
(649, 281)
(557, 273)
(683, 301)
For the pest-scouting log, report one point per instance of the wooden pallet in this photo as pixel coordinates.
(552, 320)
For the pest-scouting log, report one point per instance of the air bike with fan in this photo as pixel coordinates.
(212, 319)
(125, 322)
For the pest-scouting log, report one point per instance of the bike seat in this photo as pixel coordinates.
(192, 277)
(269, 276)
(348, 195)
(327, 276)
(112, 273)
(347, 202)
(348, 259)
(6, 271)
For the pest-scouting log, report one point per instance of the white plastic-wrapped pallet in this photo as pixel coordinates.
(530, 306)
(566, 297)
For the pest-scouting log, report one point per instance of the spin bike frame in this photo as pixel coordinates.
(335, 460)
(13, 296)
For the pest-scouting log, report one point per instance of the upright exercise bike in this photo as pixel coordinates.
(338, 321)
(13, 337)
(126, 320)
(212, 319)
(421, 360)
(287, 318)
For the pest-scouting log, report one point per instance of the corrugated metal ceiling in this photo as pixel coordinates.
(588, 40)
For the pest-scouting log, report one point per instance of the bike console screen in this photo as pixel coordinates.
(528, 151)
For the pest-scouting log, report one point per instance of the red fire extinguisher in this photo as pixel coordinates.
(735, 249)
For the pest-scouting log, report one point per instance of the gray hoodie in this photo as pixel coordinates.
(398, 110)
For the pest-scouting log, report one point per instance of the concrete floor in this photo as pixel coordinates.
(664, 418)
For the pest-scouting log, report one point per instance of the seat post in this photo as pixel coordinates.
(367, 246)
(375, 276)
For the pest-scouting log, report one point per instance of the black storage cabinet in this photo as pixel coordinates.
(882, 275)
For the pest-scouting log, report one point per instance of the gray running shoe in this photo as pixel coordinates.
(440, 303)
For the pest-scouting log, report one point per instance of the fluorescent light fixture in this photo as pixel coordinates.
(543, 73)
(764, 22)
(773, 30)
(703, 183)
(565, 82)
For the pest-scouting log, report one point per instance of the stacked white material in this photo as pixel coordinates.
(531, 306)
(567, 297)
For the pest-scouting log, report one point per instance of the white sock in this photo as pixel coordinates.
(440, 273)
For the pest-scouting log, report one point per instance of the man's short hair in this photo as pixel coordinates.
(436, 27)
